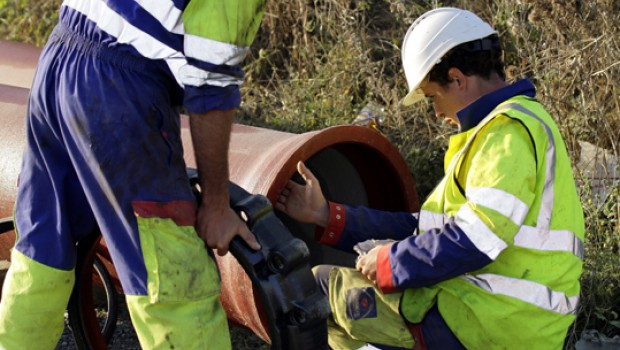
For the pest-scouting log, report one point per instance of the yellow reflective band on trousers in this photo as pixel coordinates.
(509, 186)
(182, 309)
(33, 304)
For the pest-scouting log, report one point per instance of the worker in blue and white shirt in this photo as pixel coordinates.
(104, 148)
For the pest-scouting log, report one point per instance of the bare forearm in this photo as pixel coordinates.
(216, 223)
(211, 136)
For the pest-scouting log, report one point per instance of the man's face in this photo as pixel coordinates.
(446, 100)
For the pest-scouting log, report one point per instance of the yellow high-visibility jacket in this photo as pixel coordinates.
(509, 186)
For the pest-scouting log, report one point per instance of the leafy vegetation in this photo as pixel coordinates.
(316, 63)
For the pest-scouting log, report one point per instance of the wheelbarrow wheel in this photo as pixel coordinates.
(93, 307)
(86, 303)
(110, 301)
(6, 225)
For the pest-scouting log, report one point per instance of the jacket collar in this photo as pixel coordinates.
(471, 115)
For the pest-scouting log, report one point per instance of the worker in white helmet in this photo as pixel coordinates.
(493, 258)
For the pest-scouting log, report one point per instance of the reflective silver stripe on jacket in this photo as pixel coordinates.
(501, 201)
(560, 240)
(198, 77)
(479, 233)
(429, 220)
(528, 236)
(530, 292)
(166, 13)
(217, 53)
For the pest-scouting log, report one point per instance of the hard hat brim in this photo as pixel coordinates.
(414, 96)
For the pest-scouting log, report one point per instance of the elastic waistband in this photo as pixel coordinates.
(118, 55)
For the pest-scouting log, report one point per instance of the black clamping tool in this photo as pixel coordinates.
(295, 308)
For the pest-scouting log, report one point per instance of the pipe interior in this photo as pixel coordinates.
(338, 171)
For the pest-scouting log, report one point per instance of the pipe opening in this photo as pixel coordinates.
(352, 174)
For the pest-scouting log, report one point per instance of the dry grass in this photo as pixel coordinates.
(317, 62)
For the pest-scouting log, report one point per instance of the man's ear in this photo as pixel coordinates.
(457, 76)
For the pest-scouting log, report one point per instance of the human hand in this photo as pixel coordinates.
(218, 226)
(304, 203)
(367, 264)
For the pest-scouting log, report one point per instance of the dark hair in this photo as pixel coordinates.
(480, 57)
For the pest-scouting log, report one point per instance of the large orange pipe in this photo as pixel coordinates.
(18, 62)
(12, 113)
(355, 165)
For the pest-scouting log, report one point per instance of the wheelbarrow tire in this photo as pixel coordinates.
(6, 225)
(109, 326)
(82, 318)
(77, 314)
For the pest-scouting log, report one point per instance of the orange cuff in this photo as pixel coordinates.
(384, 270)
(337, 219)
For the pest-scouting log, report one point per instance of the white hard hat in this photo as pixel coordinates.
(430, 37)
